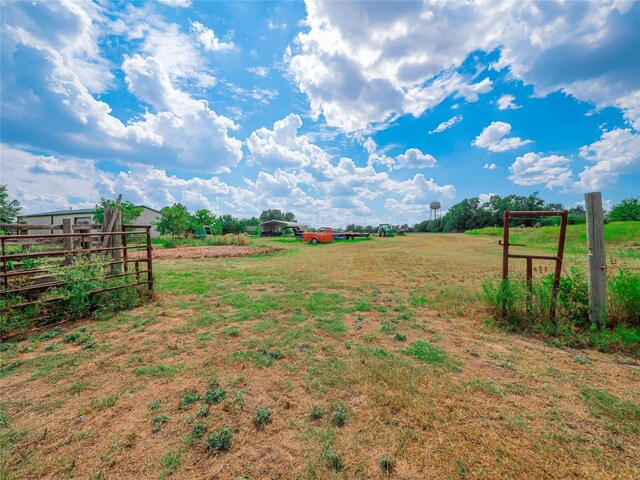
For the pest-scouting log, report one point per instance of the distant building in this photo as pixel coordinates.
(273, 228)
(85, 217)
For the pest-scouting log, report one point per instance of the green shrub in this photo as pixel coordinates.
(220, 440)
(626, 210)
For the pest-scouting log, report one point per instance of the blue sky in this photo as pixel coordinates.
(342, 112)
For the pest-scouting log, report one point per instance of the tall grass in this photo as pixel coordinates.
(516, 306)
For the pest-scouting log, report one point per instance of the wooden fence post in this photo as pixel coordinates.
(68, 241)
(116, 242)
(596, 258)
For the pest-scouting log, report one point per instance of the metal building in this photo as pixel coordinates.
(85, 217)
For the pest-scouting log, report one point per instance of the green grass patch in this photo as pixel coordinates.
(159, 370)
(426, 352)
(618, 414)
(616, 234)
(332, 325)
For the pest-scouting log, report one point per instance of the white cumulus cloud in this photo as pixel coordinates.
(617, 152)
(551, 171)
(494, 138)
(361, 63)
(208, 39)
(506, 102)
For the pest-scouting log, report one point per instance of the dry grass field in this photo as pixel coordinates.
(371, 359)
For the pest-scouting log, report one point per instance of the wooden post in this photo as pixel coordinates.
(149, 260)
(68, 241)
(596, 259)
(112, 221)
(115, 242)
(505, 246)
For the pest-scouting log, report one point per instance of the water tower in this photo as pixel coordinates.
(434, 213)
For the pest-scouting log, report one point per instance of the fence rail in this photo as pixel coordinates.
(16, 277)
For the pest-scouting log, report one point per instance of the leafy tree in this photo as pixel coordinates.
(627, 209)
(231, 224)
(250, 222)
(128, 211)
(205, 217)
(174, 220)
(9, 210)
(202, 217)
(277, 214)
(578, 210)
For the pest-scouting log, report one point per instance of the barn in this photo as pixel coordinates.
(273, 228)
(85, 217)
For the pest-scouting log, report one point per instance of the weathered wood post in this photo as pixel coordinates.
(116, 243)
(68, 241)
(597, 259)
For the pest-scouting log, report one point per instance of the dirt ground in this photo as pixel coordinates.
(389, 330)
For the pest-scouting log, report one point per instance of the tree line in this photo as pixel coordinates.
(471, 213)
(177, 221)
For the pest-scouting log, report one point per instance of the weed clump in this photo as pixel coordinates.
(400, 337)
(158, 422)
(317, 413)
(154, 405)
(237, 401)
(54, 332)
(332, 459)
(387, 463)
(339, 416)
(199, 429)
(214, 393)
(220, 440)
(203, 412)
(187, 398)
(262, 416)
